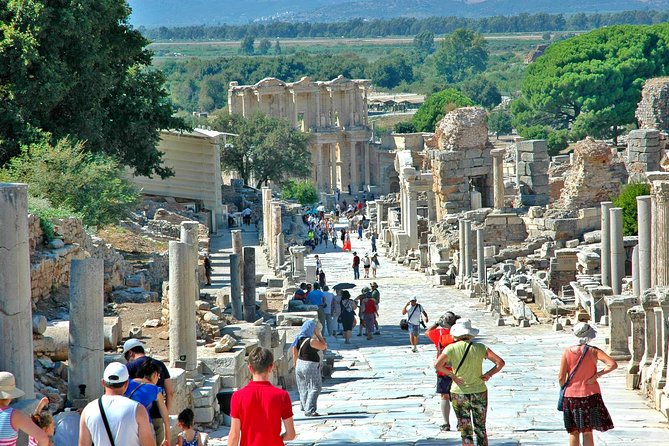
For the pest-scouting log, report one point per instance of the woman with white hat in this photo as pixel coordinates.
(462, 361)
(12, 421)
(582, 407)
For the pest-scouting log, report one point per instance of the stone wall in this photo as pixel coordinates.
(644, 150)
(532, 172)
(653, 110)
(460, 160)
(595, 175)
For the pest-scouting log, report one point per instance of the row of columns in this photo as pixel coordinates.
(470, 244)
(242, 279)
(341, 171)
(612, 254)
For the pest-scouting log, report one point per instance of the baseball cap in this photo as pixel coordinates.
(414, 298)
(131, 343)
(115, 373)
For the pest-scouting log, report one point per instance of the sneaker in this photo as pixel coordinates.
(445, 427)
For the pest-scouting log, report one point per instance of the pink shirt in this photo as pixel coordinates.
(577, 387)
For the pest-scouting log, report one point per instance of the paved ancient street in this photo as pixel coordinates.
(381, 392)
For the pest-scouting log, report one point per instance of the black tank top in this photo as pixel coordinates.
(306, 352)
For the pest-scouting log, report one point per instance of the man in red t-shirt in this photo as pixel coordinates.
(258, 409)
(440, 335)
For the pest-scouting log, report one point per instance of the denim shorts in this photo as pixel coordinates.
(413, 329)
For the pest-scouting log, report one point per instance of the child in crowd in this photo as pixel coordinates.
(12, 421)
(185, 423)
(43, 420)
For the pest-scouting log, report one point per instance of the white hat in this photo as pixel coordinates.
(463, 327)
(585, 330)
(116, 373)
(8, 389)
(130, 344)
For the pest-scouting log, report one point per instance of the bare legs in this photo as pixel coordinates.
(575, 437)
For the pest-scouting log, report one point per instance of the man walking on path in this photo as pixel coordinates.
(316, 297)
(356, 266)
(330, 326)
(113, 418)
(377, 297)
(415, 312)
(259, 410)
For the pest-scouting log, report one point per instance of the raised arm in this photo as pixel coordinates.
(24, 423)
(498, 361)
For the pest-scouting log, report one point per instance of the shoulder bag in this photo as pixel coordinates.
(463, 358)
(569, 378)
(404, 323)
(105, 422)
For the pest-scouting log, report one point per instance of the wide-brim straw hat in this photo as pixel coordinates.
(463, 327)
(8, 389)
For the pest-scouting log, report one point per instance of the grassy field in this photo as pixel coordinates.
(371, 49)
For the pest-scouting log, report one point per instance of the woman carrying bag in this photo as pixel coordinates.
(307, 362)
(469, 393)
(582, 407)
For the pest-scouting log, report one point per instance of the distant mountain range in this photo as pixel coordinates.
(152, 13)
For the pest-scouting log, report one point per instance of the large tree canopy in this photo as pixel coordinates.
(461, 55)
(591, 84)
(436, 106)
(266, 148)
(78, 69)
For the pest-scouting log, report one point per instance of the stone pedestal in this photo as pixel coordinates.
(236, 288)
(636, 316)
(476, 199)
(648, 302)
(498, 177)
(644, 221)
(617, 249)
(16, 353)
(605, 255)
(249, 284)
(620, 326)
(183, 343)
(87, 344)
(297, 254)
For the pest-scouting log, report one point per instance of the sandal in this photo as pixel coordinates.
(445, 427)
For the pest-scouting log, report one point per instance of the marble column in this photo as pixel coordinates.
(468, 248)
(636, 289)
(660, 221)
(280, 247)
(412, 220)
(431, 207)
(380, 216)
(334, 181)
(183, 340)
(644, 222)
(620, 326)
(476, 199)
(266, 219)
(480, 257)
(237, 248)
(189, 235)
(461, 244)
(355, 176)
(16, 354)
(365, 148)
(636, 316)
(249, 284)
(276, 230)
(87, 344)
(236, 287)
(605, 255)
(498, 177)
(617, 248)
(320, 168)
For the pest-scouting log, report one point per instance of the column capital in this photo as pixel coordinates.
(617, 302)
(649, 300)
(636, 313)
(661, 191)
(498, 153)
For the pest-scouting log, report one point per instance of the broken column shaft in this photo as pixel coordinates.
(87, 344)
(249, 284)
(183, 341)
(16, 354)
